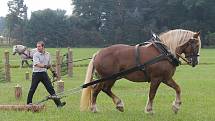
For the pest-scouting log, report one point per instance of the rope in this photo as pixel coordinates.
(61, 95)
(80, 60)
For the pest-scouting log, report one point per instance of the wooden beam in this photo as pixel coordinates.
(33, 108)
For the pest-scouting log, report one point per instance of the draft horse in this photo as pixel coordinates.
(116, 58)
(24, 53)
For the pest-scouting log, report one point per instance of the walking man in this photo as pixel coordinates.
(41, 63)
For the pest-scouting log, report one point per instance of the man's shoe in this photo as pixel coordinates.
(61, 105)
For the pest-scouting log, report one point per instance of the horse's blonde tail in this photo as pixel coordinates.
(86, 97)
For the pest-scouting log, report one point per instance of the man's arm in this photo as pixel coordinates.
(50, 67)
(37, 63)
(40, 65)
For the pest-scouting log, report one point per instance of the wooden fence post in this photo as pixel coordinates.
(69, 63)
(27, 76)
(60, 86)
(18, 92)
(58, 64)
(7, 66)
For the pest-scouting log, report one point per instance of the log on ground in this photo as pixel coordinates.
(33, 108)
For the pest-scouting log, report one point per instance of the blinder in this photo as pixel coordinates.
(192, 57)
(194, 52)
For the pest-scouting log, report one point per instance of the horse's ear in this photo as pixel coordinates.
(196, 35)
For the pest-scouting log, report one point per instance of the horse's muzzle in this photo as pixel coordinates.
(194, 63)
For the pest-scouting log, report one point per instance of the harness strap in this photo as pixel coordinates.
(127, 71)
(28, 55)
(164, 50)
(23, 50)
(138, 63)
(158, 48)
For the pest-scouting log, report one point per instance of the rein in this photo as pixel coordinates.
(183, 58)
(189, 56)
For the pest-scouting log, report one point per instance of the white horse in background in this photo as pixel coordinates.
(24, 53)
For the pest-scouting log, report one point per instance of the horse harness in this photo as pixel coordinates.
(164, 54)
(23, 52)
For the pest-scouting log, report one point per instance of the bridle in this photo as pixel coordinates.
(194, 52)
(192, 55)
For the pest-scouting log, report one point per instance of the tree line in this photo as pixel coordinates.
(99, 23)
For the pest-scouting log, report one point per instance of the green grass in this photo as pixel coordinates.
(197, 85)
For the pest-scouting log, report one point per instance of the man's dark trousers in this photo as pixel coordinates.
(38, 77)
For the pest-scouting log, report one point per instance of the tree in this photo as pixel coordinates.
(16, 19)
(48, 25)
(104, 22)
(2, 25)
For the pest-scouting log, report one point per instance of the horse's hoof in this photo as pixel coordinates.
(149, 111)
(120, 108)
(93, 109)
(175, 107)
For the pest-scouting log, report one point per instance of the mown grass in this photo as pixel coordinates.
(197, 85)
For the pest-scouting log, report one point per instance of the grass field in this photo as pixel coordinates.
(197, 85)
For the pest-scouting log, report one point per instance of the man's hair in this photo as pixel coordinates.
(41, 42)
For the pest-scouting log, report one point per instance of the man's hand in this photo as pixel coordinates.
(47, 66)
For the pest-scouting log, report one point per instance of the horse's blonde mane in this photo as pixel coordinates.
(176, 38)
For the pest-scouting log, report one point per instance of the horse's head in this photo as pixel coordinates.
(14, 49)
(183, 41)
(18, 49)
(191, 49)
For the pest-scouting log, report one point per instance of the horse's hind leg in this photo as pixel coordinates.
(177, 102)
(153, 89)
(95, 91)
(117, 101)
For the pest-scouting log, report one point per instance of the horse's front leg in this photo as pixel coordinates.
(177, 102)
(153, 89)
(22, 63)
(26, 61)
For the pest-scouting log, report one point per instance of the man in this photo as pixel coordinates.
(41, 63)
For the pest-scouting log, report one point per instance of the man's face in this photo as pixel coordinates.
(40, 48)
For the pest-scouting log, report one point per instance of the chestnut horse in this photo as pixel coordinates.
(116, 58)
